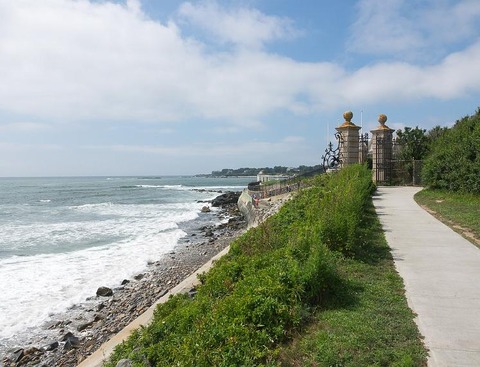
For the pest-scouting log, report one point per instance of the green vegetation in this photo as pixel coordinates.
(320, 265)
(414, 143)
(454, 159)
(368, 323)
(458, 210)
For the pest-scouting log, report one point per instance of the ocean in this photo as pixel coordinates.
(62, 238)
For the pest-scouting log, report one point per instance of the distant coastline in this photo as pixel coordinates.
(253, 172)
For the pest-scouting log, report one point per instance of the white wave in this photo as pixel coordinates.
(48, 284)
(91, 206)
(97, 222)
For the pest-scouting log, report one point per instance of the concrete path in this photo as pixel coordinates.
(441, 271)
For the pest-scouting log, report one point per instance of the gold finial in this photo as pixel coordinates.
(348, 115)
(382, 119)
(348, 120)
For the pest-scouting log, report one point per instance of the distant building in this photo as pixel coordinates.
(262, 177)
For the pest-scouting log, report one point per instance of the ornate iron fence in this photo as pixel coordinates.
(332, 158)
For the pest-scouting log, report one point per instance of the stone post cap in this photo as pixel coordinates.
(382, 119)
(348, 115)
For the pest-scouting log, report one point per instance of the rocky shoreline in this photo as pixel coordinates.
(75, 335)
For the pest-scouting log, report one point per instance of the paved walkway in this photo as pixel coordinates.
(441, 271)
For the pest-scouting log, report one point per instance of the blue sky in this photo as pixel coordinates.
(143, 87)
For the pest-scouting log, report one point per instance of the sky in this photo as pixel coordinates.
(166, 87)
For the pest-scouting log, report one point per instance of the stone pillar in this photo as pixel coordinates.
(349, 140)
(382, 144)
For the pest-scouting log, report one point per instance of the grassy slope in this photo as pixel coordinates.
(459, 211)
(369, 324)
(313, 286)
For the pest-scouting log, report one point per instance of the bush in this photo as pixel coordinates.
(342, 208)
(454, 162)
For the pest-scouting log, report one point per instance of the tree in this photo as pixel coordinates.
(413, 146)
(414, 143)
(435, 133)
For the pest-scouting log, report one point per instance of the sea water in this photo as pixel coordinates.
(62, 238)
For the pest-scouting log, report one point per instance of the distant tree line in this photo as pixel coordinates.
(277, 170)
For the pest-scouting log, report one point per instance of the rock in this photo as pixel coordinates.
(209, 233)
(162, 293)
(50, 347)
(66, 336)
(125, 281)
(82, 327)
(124, 363)
(192, 293)
(138, 276)
(32, 350)
(72, 342)
(25, 359)
(15, 355)
(206, 209)
(229, 197)
(104, 292)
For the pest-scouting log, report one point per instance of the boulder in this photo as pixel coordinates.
(229, 197)
(71, 342)
(104, 292)
(206, 209)
(50, 347)
(85, 325)
(66, 336)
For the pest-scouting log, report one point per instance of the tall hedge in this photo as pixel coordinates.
(454, 161)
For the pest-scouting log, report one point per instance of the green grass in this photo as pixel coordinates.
(454, 209)
(368, 323)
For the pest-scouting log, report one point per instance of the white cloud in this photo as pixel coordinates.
(219, 149)
(456, 76)
(451, 21)
(80, 60)
(25, 127)
(241, 26)
(77, 60)
(413, 30)
(8, 147)
(382, 29)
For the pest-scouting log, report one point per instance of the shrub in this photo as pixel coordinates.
(342, 208)
(454, 162)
